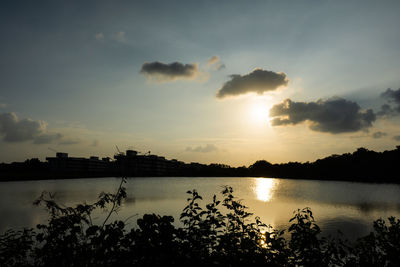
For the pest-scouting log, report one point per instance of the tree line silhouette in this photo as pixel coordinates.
(362, 165)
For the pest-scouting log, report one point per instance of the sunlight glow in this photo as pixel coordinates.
(264, 188)
(259, 111)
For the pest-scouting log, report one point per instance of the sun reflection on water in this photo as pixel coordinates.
(264, 188)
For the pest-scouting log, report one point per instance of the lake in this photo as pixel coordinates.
(346, 206)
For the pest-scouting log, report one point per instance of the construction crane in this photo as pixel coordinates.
(119, 151)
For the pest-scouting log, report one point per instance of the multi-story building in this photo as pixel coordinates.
(133, 164)
(92, 165)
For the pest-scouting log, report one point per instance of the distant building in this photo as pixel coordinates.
(63, 163)
(133, 164)
(130, 163)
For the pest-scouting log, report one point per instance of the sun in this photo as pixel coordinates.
(259, 112)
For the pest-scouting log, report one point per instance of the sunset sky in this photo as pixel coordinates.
(205, 81)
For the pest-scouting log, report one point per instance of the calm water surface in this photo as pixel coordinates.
(349, 207)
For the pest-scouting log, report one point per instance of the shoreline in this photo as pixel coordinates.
(365, 181)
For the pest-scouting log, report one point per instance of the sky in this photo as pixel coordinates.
(227, 82)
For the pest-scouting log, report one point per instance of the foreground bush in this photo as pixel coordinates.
(208, 237)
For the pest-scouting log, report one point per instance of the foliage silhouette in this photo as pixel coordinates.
(223, 233)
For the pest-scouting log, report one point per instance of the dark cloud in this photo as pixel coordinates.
(220, 66)
(172, 71)
(257, 81)
(13, 129)
(378, 135)
(393, 97)
(335, 115)
(397, 137)
(203, 149)
(386, 110)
